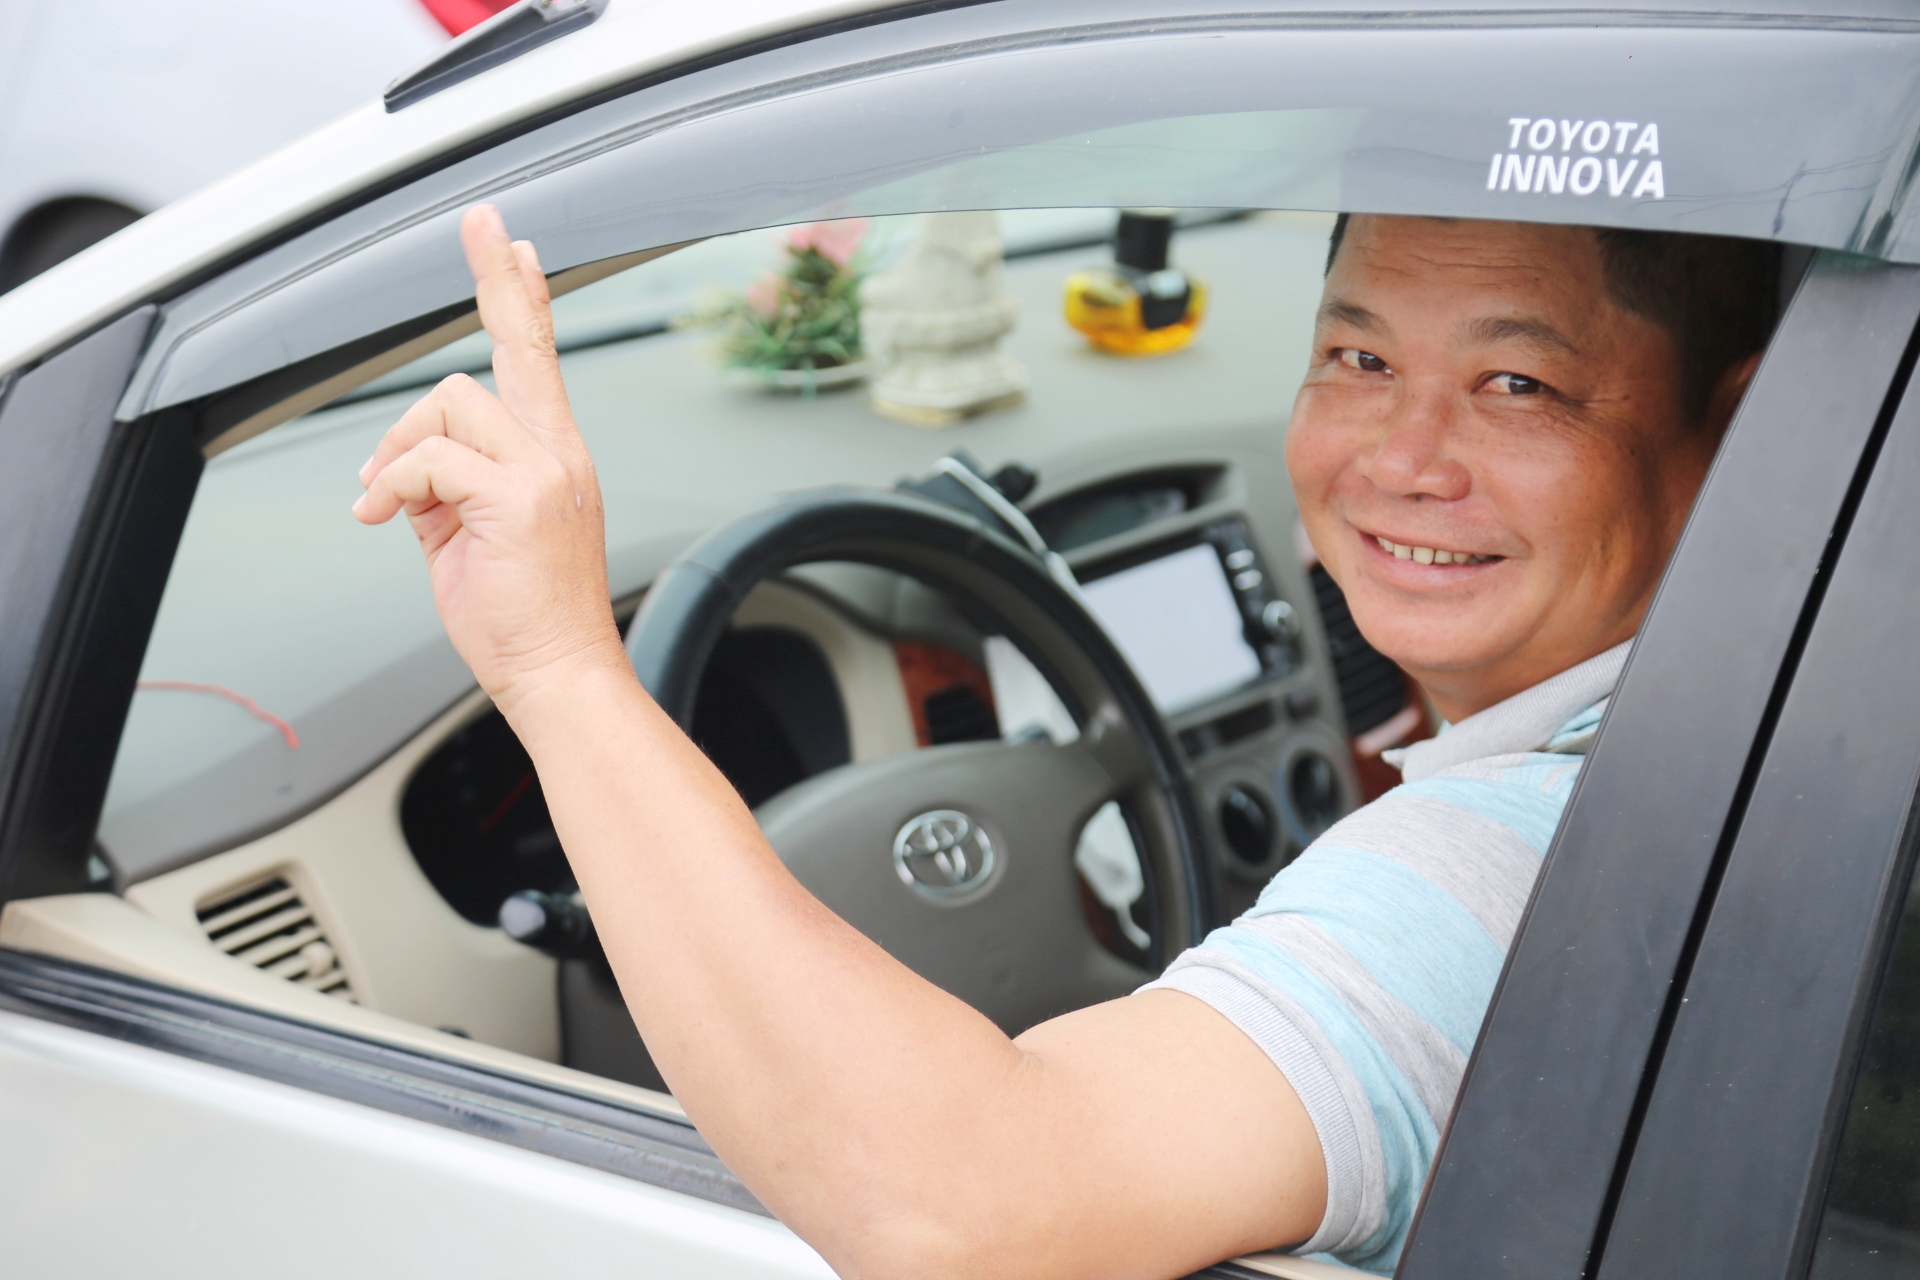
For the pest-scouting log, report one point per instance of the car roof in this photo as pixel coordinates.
(371, 146)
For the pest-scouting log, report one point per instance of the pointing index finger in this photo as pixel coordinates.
(514, 305)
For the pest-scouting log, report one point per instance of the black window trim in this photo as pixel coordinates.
(90, 513)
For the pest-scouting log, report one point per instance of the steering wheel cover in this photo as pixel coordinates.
(690, 605)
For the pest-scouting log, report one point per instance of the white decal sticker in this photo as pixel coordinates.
(1586, 176)
(1548, 164)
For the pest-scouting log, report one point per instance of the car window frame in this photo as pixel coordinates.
(93, 512)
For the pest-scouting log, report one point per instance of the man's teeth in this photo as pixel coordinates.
(1429, 555)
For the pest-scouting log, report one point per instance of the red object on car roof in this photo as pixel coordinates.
(459, 15)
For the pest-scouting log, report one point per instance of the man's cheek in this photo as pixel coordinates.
(1316, 448)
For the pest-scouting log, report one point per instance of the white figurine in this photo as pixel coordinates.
(936, 320)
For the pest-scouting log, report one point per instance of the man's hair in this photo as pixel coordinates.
(1717, 297)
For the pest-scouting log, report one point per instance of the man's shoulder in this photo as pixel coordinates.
(1524, 793)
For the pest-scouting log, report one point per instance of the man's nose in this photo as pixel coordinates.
(1416, 455)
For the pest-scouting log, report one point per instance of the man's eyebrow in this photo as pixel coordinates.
(1340, 311)
(1528, 332)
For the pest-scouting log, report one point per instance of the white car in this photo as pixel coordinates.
(1035, 689)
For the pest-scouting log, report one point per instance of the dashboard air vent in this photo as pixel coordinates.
(1372, 689)
(267, 926)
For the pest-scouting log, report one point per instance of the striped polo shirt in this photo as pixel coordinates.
(1366, 966)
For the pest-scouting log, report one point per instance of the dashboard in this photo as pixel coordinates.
(1226, 633)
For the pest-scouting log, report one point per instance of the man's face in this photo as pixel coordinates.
(1477, 398)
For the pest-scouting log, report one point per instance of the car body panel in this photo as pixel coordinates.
(314, 1186)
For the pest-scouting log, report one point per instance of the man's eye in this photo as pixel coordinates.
(1365, 361)
(1516, 384)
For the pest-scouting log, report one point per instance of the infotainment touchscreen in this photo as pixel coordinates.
(1176, 620)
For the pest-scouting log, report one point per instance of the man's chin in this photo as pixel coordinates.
(1420, 649)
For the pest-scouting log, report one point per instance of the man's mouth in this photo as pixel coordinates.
(1430, 555)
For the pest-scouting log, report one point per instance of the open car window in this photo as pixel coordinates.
(321, 637)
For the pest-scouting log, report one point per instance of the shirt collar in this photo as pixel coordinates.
(1528, 721)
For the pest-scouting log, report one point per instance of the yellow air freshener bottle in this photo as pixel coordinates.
(1140, 306)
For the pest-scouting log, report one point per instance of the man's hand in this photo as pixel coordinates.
(501, 492)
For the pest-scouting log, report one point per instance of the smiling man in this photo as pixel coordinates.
(1500, 435)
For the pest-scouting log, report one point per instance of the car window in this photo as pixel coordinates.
(1870, 1224)
(295, 648)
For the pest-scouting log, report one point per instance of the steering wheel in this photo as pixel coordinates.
(958, 859)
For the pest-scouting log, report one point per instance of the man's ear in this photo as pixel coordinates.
(1727, 393)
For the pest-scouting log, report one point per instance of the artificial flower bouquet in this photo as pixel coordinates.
(798, 327)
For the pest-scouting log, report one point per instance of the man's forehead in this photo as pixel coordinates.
(1493, 282)
(1531, 331)
(1469, 243)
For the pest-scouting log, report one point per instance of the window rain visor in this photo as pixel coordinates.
(1771, 128)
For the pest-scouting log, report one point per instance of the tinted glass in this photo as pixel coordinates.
(1676, 126)
(1870, 1229)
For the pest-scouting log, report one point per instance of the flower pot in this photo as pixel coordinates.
(800, 381)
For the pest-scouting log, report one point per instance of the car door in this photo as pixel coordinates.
(269, 1125)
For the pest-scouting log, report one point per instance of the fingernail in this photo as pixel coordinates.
(362, 472)
(533, 254)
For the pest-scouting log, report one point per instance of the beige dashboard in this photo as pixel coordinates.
(330, 919)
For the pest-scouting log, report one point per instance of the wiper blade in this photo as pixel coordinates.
(501, 38)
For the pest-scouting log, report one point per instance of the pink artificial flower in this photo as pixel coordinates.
(763, 295)
(837, 241)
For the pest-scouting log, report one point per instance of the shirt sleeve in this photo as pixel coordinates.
(1365, 969)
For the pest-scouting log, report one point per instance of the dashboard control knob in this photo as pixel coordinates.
(555, 923)
(1246, 821)
(1311, 788)
(1281, 620)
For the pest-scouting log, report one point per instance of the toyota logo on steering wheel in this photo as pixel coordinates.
(943, 854)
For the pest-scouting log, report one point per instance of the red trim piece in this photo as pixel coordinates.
(927, 669)
(240, 700)
(458, 16)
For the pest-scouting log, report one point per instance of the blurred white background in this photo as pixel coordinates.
(111, 108)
